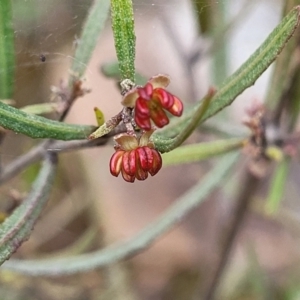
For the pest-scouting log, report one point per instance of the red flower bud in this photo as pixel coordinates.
(151, 103)
(135, 158)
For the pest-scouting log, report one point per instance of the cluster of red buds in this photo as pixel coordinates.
(151, 103)
(135, 155)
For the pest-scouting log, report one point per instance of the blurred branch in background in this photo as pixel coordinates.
(249, 186)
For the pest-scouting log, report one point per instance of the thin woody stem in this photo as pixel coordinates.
(37, 153)
(247, 191)
(128, 119)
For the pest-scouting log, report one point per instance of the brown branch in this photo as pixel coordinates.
(249, 187)
(37, 153)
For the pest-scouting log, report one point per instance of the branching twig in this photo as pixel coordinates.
(38, 152)
(22, 162)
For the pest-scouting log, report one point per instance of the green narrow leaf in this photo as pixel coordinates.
(40, 127)
(166, 145)
(201, 151)
(124, 36)
(18, 226)
(248, 73)
(260, 60)
(90, 33)
(277, 186)
(7, 50)
(284, 67)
